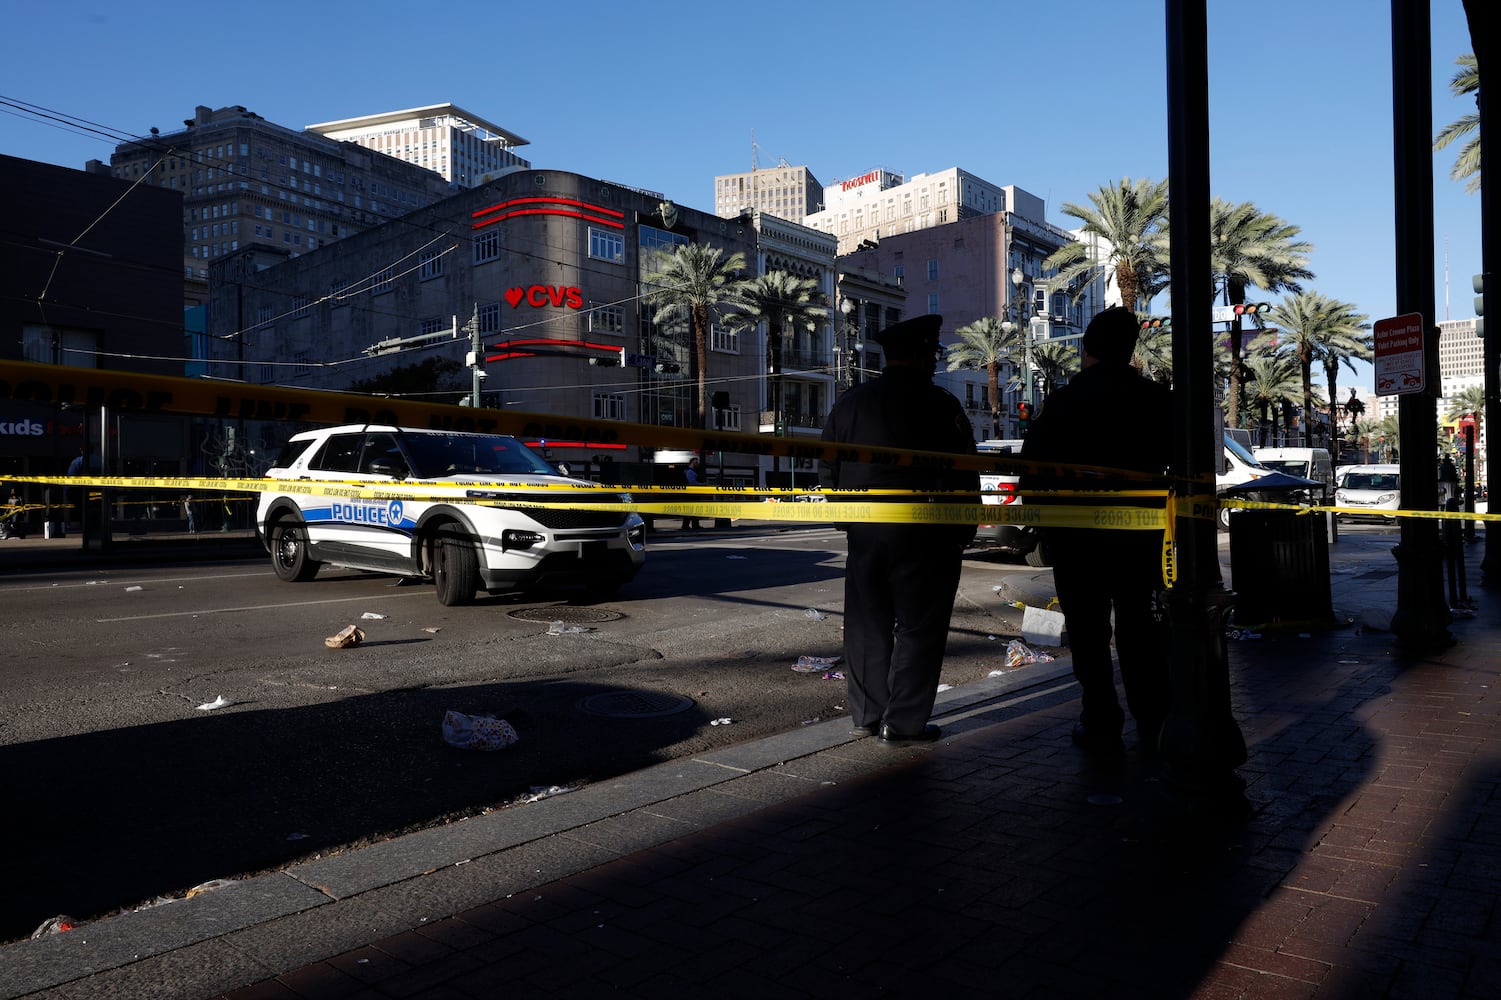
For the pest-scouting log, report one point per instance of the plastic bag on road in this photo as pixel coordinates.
(477, 732)
(1018, 653)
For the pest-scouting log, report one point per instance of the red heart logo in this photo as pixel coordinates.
(513, 296)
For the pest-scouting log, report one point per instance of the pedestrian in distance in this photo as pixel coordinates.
(692, 477)
(900, 578)
(1100, 573)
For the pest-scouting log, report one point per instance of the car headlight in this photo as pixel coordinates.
(1386, 498)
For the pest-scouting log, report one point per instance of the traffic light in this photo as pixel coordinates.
(1478, 282)
(1253, 309)
(1023, 416)
(1152, 323)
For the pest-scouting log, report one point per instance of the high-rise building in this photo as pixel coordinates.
(878, 203)
(467, 150)
(785, 191)
(248, 182)
(1461, 354)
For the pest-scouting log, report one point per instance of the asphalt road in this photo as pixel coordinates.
(121, 789)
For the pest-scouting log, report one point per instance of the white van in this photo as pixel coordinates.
(1306, 463)
(1237, 467)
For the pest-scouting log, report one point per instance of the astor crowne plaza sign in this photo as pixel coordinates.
(1399, 354)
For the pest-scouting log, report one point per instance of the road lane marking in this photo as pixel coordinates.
(249, 607)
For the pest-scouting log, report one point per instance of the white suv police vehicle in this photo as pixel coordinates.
(444, 536)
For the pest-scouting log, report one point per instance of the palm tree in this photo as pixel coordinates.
(1055, 361)
(1273, 381)
(1354, 409)
(1318, 328)
(785, 302)
(986, 344)
(1469, 401)
(1387, 433)
(1128, 229)
(1249, 247)
(1154, 354)
(1466, 81)
(694, 283)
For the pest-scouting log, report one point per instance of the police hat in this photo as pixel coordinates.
(910, 338)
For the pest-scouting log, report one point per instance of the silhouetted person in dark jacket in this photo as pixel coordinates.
(1103, 418)
(900, 579)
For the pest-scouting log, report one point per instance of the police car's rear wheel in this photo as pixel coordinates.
(455, 567)
(289, 554)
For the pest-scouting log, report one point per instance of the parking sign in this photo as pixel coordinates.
(1399, 354)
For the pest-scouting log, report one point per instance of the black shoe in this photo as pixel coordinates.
(1102, 744)
(929, 734)
(869, 730)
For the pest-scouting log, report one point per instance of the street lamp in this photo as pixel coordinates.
(1021, 321)
(850, 345)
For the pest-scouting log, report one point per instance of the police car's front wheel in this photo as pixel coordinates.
(289, 554)
(455, 567)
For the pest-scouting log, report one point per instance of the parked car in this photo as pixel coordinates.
(1021, 541)
(1375, 490)
(445, 535)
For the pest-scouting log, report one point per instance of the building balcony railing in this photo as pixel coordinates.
(791, 420)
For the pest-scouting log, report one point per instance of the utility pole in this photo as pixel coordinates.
(475, 359)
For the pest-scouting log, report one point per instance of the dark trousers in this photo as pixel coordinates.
(899, 588)
(1097, 573)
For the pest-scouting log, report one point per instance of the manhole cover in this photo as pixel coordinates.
(634, 704)
(565, 613)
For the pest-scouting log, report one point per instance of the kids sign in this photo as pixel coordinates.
(1399, 354)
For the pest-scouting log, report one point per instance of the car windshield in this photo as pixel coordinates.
(1370, 481)
(1290, 466)
(436, 455)
(1242, 452)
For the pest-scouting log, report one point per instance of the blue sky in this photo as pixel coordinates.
(664, 94)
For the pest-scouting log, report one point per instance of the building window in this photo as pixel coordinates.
(723, 341)
(607, 319)
(384, 281)
(430, 265)
(605, 245)
(609, 406)
(729, 420)
(432, 324)
(933, 304)
(489, 318)
(933, 270)
(487, 245)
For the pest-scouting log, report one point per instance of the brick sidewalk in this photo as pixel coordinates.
(1002, 863)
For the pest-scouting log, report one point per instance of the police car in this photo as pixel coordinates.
(442, 534)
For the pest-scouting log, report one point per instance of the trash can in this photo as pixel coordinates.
(1279, 567)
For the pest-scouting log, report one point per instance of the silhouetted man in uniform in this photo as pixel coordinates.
(900, 578)
(1098, 420)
